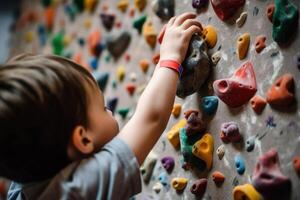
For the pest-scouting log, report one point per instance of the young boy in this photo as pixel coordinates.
(58, 140)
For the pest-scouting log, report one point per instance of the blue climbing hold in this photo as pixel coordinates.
(94, 63)
(209, 105)
(81, 42)
(42, 34)
(112, 104)
(101, 79)
(250, 144)
(163, 178)
(239, 164)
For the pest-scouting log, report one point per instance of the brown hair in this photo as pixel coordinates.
(42, 98)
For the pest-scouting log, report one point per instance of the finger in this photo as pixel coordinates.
(192, 30)
(181, 18)
(161, 34)
(171, 21)
(190, 22)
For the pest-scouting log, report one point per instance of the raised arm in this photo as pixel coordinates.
(155, 104)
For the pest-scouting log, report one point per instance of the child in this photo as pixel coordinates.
(58, 140)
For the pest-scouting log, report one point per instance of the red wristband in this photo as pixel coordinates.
(172, 64)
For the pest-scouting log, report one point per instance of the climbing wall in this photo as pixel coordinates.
(220, 138)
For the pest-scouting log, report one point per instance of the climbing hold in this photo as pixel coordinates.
(218, 178)
(215, 58)
(93, 41)
(258, 103)
(210, 36)
(163, 178)
(149, 33)
(179, 183)
(29, 36)
(94, 63)
(131, 12)
(112, 104)
(246, 191)
(144, 65)
(250, 143)
(49, 15)
(176, 110)
(221, 151)
(133, 76)
(79, 4)
(155, 58)
(139, 22)
(108, 20)
(230, 132)
(267, 178)
(130, 87)
(78, 58)
(199, 186)
(197, 4)
(270, 11)
(58, 44)
(173, 134)
(282, 91)
(90, 5)
(238, 89)
(121, 73)
(123, 112)
(296, 164)
(241, 20)
(67, 40)
(140, 4)
(148, 166)
(297, 60)
(209, 105)
(101, 79)
(164, 9)
(226, 8)
(203, 149)
(42, 35)
(168, 163)
(239, 164)
(122, 5)
(260, 43)
(71, 11)
(87, 23)
(127, 57)
(186, 147)
(243, 45)
(194, 123)
(285, 20)
(116, 45)
(196, 68)
(157, 187)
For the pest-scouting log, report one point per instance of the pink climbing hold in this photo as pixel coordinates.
(238, 89)
(268, 179)
(230, 132)
(226, 8)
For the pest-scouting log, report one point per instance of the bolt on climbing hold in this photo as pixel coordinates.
(179, 184)
(243, 45)
(258, 103)
(246, 191)
(239, 164)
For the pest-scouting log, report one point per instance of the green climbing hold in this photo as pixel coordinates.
(46, 3)
(79, 4)
(58, 43)
(123, 112)
(139, 22)
(285, 20)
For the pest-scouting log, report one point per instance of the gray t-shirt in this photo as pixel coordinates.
(112, 173)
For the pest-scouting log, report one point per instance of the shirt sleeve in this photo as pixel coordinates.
(112, 173)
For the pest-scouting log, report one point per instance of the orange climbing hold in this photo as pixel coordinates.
(78, 58)
(260, 43)
(270, 11)
(296, 164)
(49, 15)
(140, 4)
(122, 5)
(149, 33)
(210, 36)
(144, 65)
(90, 5)
(258, 103)
(93, 41)
(218, 177)
(243, 45)
(282, 91)
(176, 110)
(155, 58)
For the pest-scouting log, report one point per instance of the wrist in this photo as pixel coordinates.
(171, 64)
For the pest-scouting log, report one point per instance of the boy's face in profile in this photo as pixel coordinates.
(102, 125)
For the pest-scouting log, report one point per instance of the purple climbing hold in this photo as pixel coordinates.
(230, 132)
(168, 163)
(194, 123)
(199, 3)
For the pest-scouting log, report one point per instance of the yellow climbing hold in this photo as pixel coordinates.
(149, 33)
(140, 4)
(179, 183)
(210, 36)
(176, 110)
(67, 40)
(122, 5)
(29, 36)
(121, 73)
(203, 149)
(243, 45)
(90, 5)
(246, 191)
(173, 134)
(87, 23)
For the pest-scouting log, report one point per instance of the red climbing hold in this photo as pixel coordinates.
(226, 8)
(130, 87)
(258, 103)
(270, 11)
(218, 178)
(267, 177)
(296, 163)
(199, 186)
(194, 123)
(238, 89)
(282, 91)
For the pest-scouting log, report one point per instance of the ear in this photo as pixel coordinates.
(82, 141)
